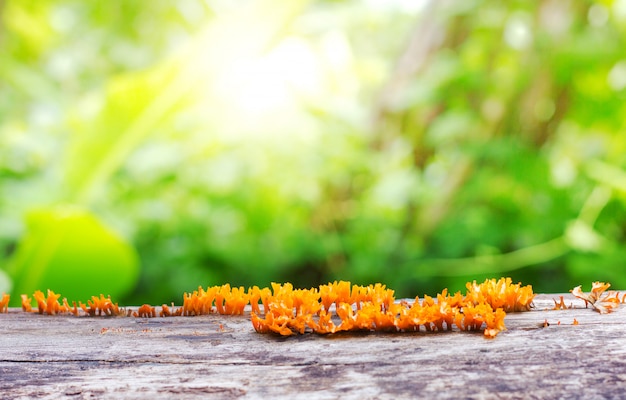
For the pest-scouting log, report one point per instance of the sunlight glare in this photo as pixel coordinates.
(269, 82)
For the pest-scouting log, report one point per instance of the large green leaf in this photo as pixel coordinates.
(68, 250)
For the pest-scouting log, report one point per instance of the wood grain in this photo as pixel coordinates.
(221, 357)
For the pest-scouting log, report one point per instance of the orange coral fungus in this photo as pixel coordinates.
(231, 301)
(289, 311)
(4, 303)
(335, 307)
(71, 309)
(256, 296)
(227, 300)
(561, 304)
(166, 312)
(145, 311)
(49, 305)
(501, 294)
(26, 303)
(101, 305)
(601, 301)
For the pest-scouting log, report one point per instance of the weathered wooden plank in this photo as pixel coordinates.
(222, 357)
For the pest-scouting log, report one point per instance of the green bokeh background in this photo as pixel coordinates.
(147, 148)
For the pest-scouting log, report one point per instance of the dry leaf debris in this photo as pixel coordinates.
(602, 301)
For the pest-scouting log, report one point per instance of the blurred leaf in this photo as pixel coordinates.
(134, 106)
(580, 236)
(497, 264)
(70, 251)
(5, 282)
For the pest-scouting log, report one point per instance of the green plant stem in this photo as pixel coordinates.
(496, 263)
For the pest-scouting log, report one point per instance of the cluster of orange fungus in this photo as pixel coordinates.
(341, 307)
(101, 306)
(145, 311)
(335, 307)
(501, 293)
(47, 304)
(4, 303)
(216, 299)
(50, 305)
(227, 300)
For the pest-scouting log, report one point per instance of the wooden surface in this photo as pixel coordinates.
(221, 357)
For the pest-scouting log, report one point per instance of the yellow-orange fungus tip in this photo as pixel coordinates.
(26, 303)
(4, 303)
(560, 305)
(501, 293)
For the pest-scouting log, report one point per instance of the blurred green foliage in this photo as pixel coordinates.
(149, 149)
